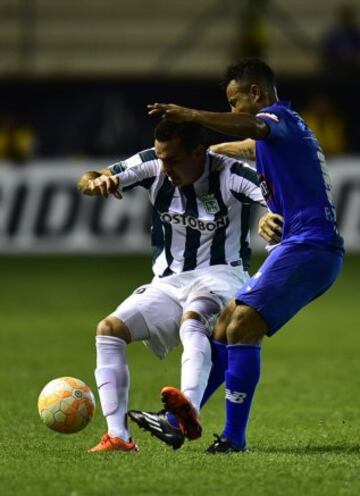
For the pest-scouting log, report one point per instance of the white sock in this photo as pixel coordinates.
(195, 360)
(113, 381)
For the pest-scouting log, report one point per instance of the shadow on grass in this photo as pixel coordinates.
(342, 449)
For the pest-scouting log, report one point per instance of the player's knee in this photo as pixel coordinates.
(191, 315)
(201, 308)
(246, 326)
(111, 326)
(105, 328)
(192, 325)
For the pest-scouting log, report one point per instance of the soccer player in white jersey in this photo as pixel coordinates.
(200, 240)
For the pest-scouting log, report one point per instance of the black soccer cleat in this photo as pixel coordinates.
(223, 445)
(158, 425)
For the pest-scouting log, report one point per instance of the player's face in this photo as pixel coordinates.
(241, 99)
(180, 165)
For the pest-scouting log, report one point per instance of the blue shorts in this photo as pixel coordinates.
(291, 277)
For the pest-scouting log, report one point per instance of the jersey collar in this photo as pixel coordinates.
(279, 103)
(205, 171)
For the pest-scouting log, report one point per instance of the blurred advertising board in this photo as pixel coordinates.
(41, 211)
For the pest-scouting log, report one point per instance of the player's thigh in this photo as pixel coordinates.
(151, 315)
(291, 277)
(218, 283)
(217, 287)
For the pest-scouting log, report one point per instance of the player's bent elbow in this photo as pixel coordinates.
(261, 130)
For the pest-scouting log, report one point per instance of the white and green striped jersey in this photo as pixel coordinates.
(198, 225)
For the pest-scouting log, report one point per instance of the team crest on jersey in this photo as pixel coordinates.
(210, 203)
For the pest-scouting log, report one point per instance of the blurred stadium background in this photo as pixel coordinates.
(75, 78)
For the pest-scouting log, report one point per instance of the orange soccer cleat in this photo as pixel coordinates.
(109, 443)
(176, 402)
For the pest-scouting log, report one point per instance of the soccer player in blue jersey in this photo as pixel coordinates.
(295, 183)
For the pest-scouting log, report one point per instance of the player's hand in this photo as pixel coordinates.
(83, 183)
(104, 186)
(270, 227)
(172, 112)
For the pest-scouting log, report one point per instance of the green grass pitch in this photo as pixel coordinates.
(305, 425)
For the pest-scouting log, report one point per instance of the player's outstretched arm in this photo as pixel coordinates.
(270, 227)
(238, 149)
(237, 124)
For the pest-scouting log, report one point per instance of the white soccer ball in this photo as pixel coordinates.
(66, 405)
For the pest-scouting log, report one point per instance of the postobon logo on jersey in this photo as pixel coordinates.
(193, 222)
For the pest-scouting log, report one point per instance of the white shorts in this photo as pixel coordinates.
(153, 312)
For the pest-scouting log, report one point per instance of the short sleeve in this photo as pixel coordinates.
(275, 121)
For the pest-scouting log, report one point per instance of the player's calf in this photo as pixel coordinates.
(195, 360)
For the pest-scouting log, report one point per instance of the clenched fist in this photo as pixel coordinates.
(104, 186)
(270, 227)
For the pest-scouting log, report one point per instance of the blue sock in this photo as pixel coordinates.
(219, 359)
(172, 419)
(241, 378)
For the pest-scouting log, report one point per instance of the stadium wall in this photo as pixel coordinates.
(42, 211)
(97, 118)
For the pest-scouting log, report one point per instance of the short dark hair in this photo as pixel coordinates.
(251, 70)
(190, 134)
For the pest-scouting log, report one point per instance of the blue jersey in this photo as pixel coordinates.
(294, 178)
